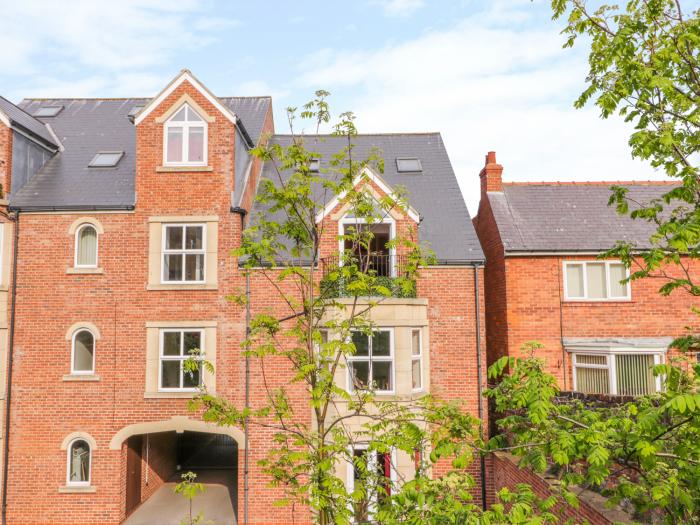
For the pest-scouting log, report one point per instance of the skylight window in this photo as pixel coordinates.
(315, 165)
(48, 111)
(408, 165)
(106, 159)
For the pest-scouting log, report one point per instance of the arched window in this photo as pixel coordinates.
(86, 246)
(83, 353)
(78, 463)
(185, 139)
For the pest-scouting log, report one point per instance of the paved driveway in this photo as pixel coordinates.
(167, 508)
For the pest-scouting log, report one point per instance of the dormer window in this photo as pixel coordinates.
(185, 138)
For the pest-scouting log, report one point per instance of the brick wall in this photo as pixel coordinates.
(5, 159)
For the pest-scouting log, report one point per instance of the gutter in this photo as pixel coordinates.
(477, 326)
(74, 207)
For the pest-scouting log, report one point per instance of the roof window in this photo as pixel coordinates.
(48, 111)
(408, 165)
(106, 159)
(315, 165)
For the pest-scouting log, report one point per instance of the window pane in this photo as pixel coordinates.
(173, 267)
(83, 352)
(591, 360)
(416, 373)
(192, 115)
(174, 153)
(79, 471)
(87, 246)
(194, 267)
(191, 379)
(381, 375)
(592, 380)
(634, 375)
(380, 344)
(193, 237)
(171, 343)
(574, 280)
(193, 341)
(359, 374)
(196, 145)
(180, 116)
(170, 374)
(361, 344)
(415, 342)
(618, 272)
(361, 467)
(173, 238)
(595, 273)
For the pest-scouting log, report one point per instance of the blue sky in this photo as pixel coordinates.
(488, 74)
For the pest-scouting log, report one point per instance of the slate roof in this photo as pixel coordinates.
(561, 217)
(445, 224)
(87, 126)
(26, 121)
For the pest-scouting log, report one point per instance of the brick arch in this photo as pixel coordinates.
(175, 424)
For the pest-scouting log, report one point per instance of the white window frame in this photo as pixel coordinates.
(183, 251)
(354, 221)
(418, 358)
(658, 353)
(185, 126)
(69, 455)
(73, 371)
(391, 358)
(350, 477)
(585, 298)
(97, 246)
(181, 358)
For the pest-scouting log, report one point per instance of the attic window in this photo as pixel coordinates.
(48, 111)
(106, 159)
(408, 165)
(315, 165)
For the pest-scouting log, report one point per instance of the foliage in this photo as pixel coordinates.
(189, 488)
(643, 453)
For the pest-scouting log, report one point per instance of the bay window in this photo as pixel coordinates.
(619, 373)
(372, 364)
(416, 360)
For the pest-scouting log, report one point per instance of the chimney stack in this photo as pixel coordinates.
(491, 174)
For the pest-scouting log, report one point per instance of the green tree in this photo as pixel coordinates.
(188, 488)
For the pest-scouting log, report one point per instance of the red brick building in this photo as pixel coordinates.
(122, 216)
(545, 283)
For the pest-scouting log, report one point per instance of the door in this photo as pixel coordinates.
(133, 473)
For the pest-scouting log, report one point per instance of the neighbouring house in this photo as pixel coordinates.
(546, 282)
(123, 215)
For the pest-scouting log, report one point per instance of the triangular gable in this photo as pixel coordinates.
(371, 175)
(185, 75)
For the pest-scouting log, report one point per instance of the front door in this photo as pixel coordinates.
(133, 473)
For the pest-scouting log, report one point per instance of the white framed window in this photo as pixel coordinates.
(185, 139)
(416, 360)
(380, 258)
(83, 352)
(176, 347)
(372, 364)
(620, 372)
(595, 281)
(377, 472)
(86, 243)
(78, 463)
(184, 253)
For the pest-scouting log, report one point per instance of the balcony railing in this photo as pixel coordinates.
(386, 268)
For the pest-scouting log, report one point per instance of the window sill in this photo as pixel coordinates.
(84, 271)
(202, 286)
(182, 169)
(170, 395)
(68, 489)
(81, 377)
(589, 302)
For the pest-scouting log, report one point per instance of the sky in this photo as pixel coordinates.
(490, 75)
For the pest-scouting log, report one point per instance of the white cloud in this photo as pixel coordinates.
(401, 7)
(486, 85)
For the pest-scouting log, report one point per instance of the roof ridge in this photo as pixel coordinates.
(83, 98)
(246, 96)
(596, 183)
(388, 134)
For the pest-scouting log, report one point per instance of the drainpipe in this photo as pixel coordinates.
(10, 349)
(477, 308)
(246, 453)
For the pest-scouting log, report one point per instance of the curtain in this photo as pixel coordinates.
(87, 246)
(634, 374)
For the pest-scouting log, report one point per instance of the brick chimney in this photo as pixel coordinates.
(491, 174)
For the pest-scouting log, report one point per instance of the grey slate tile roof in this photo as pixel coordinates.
(87, 126)
(569, 217)
(18, 116)
(445, 226)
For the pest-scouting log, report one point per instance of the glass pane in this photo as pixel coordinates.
(574, 280)
(361, 466)
(173, 267)
(595, 273)
(174, 153)
(193, 341)
(416, 374)
(380, 344)
(193, 237)
(171, 343)
(83, 352)
(173, 238)
(618, 272)
(79, 471)
(634, 375)
(194, 267)
(415, 342)
(381, 375)
(359, 374)
(361, 343)
(192, 115)
(170, 374)
(593, 380)
(180, 115)
(87, 246)
(195, 150)
(191, 379)
(591, 360)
